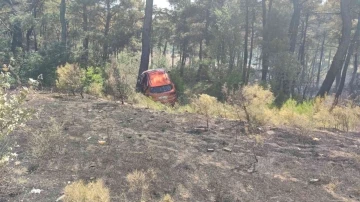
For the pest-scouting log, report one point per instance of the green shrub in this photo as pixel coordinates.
(254, 101)
(126, 61)
(116, 84)
(204, 105)
(94, 81)
(12, 112)
(71, 78)
(179, 86)
(347, 116)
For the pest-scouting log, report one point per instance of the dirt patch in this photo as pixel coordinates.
(283, 168)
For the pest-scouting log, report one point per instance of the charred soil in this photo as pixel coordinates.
(192, 163)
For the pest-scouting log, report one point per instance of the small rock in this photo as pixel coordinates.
(314, 180)
(270, 132)
(227, 149)
(32, 167)
(102, 142)
(17, 163)
(210, 150)
(92, 178)
(60, 198)
(251, 169)
(152, 138)
(316, 139)
(130, 119)
(35, 191)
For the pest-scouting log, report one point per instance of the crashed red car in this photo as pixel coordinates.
(156, 84)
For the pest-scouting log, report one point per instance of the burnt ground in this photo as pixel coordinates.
(288, 166)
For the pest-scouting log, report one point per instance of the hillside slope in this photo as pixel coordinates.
(283, 165)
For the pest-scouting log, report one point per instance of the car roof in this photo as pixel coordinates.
(155, 70)
(157, 77)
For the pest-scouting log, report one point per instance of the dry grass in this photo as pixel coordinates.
(91, 192)
(167, 198)
(256, 102)
(259, 140)
(139, 183)
(47, 142)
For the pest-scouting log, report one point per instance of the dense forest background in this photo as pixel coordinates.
(297, 48)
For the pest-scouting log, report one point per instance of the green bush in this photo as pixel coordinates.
(44, 62)
(94, 81)
(12, 112)
(304, 108)
(116, 85)
(71, 78)
(179, 86)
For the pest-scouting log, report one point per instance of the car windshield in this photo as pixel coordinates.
(160, 89)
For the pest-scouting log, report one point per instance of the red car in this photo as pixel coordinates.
(156, 84)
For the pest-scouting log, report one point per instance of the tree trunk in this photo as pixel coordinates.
(183, 59)
(35, 41)
(173, 56)
(354, 74)
(338, 60)
(165, 47)
(320, 62)
(294, 25)
(245, 70)
(16, 36)
(106, 30)
(265, 52)
(85, 56)
(337, 80)
(151, 55)
(251, 46)
(302, 52)
(28, 34)
(313, 63)
(347, 61)
(34, 31)
(146, 37)
(329, 60)
(200, 61)
(232, 53)
(63, 22)
(63, 31)
(302, 47)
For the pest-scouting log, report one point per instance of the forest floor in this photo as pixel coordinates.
(281, 165)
